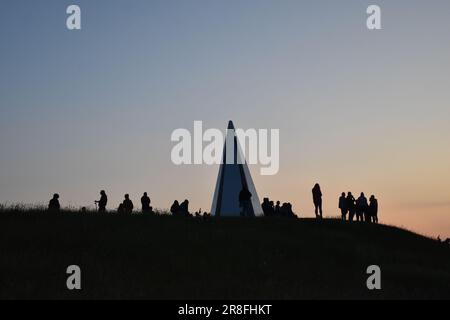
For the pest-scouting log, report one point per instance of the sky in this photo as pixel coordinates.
(358, 110)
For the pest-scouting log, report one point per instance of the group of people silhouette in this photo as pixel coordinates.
(126, 207)
(272, 210)
(359, 209)
(268, 207)
(180, 210)
(355, 208)
(364, 211)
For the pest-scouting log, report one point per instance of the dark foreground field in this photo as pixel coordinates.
(168, 258)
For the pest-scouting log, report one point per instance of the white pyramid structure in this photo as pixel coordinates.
(231, 180)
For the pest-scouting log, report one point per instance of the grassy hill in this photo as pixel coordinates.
(168, 258)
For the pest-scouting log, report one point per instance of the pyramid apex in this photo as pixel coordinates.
(230, 125)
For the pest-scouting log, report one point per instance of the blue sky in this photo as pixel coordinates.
(357, 110)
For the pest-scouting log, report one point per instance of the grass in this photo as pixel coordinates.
(161, 257)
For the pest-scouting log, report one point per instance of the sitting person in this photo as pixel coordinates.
(184, 209)
(286, 210)
(53, 205)
(175, 208)
(145, 202)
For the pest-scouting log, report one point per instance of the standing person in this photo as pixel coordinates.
(373, 208)
(245, 202)
(317, 199)
(277, 209)
(350, 203)
(265, 205)
(343, 206)
(127, 205)
(102, 202)
(272, 208)
(145, 202)
(361, 208)
(53, 205)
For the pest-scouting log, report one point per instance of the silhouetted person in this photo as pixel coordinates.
(343, 206)
(53, 205)
(317, 199)
(120, 209)
(245, 202)
(290, 212)
(184, 208)
(266, 207)
(373, 209)
(127, 205)
(286, 210)
(175, 208)
(102, 202)
(145, 202)
(361, 207)
(277, 209)
(350, 203)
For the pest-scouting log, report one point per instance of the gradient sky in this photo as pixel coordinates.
(357, 110)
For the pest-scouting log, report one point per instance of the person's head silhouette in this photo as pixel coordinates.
(343, 194)
(145, 194)
(56, 196)
(362, 194)
(102, 192)
(127, 196)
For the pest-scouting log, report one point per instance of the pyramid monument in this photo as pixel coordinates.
(232, 178)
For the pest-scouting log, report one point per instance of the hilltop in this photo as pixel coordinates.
(163, 257)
